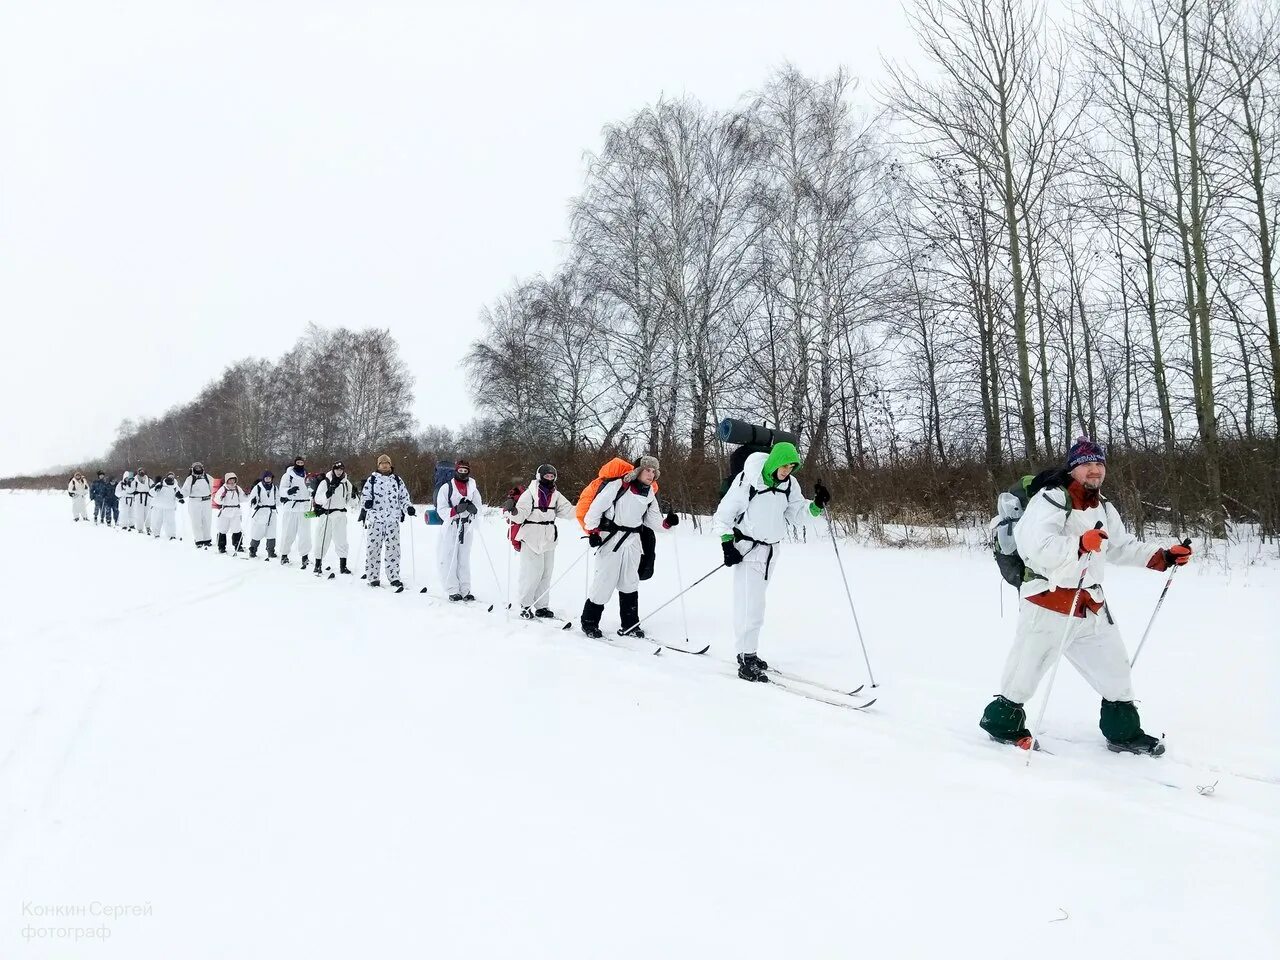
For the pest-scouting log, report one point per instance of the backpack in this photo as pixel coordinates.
(1010, 506)
(613, 470)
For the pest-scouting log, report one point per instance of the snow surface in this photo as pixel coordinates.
(268, 765)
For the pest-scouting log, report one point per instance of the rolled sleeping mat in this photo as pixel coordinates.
(739, 431)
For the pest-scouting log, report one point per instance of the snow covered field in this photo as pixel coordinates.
(268, 765)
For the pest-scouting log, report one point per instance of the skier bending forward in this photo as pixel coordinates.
(1054, 535)
(751, 521)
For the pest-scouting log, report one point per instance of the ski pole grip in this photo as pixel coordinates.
(1186, 542)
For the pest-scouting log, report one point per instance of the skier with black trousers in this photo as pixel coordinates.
(1067, 531)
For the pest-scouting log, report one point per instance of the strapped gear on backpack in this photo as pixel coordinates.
(1010, 506)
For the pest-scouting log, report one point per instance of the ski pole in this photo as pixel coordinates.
(849, 594)
(684, 615)
(488, 556)
(1159, 604)
(636, 625)
(1062, 645)
(413, 552)
(507, 614)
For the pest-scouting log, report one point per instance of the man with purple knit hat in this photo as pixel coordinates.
(1066, 520)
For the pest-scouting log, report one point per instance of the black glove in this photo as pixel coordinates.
(468, 506)
(321, 511)
(409, 510)
(731, 554)
(594, 539)
(70, 494)
(821, 495)
(671, 520)
(368, 504)
(360, 519)
(181, 498)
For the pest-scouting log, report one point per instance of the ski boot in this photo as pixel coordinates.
(591, 613)
(544, 613)
(396, 584)
(284, 560)
(468, 597)
(374, 582)
(222, 543)
(317, 571)
(1142, 743)
(756, 662)
(271, 549)
(253, 549)
(747, 669)
(456, 597)
(342, 565)
(526, 613)
(1005, 722)
(304, 561)
(237, 542)
(629, 614)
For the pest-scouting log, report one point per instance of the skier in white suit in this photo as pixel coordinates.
(458, 503)
(227, 501)
(295, 504)
(263, 502)
(78, 490)
(536, 512)
(197, 490)
(334, 495)
(124, 493)
(164, 507)
(751, 521)
(614, 521)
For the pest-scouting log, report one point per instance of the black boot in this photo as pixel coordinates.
(222, 543)
(544, 612)
(1005, 721)
(253, 549)
(629, 614)
(235, 542)
(456, 597)
(304, 561)
(526, 613)
(316, 571)
(1121, 726)
(591, 613)
(342, 565)
(747, 669)
(375, 582)
(271, 549)
(756, 662)
(284, 560)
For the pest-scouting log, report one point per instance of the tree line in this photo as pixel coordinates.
(1051, 228)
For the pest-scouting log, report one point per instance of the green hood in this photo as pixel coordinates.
(782, 454)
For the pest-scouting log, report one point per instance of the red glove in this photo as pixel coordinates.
(1091, 542)
(1178, 554)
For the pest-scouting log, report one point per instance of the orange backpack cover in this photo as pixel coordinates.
(615, 468)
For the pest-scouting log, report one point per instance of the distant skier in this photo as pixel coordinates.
(534, 512)
(262, 514)
(1055, 535)
(165, 499)
(334, 494)
(124, 496)
(295, 504)
(110, 504)
(458, 503)
(98, 494)
(78, 491)
(751, 521)
(614, 522)
(227, 501)
(142, 501)
(198, 492)
(386, 503)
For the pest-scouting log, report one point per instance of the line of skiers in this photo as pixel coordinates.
(1054, 535)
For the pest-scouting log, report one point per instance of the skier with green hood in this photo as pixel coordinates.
(751, 520)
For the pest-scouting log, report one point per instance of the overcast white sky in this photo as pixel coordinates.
(183, 184)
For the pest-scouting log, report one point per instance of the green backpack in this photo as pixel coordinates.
(1010, 506)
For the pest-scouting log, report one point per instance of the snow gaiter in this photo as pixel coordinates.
(222, 543)
(628, 610)
(271, 548)
(1119, 721)
(591, 613)
(253, 548)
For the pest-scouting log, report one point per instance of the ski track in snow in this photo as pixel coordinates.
(288, 766)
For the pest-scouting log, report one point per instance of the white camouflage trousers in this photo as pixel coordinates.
(382, 544)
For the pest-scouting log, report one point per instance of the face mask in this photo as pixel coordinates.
(169, 480)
